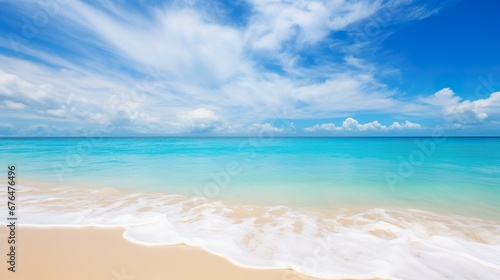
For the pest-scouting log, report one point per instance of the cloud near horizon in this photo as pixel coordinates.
(196, 67)
(351, 124)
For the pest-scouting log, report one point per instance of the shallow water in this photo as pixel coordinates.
(399, 208)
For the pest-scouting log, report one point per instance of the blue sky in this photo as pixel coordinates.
(228, 68)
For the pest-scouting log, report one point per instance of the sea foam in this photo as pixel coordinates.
(328, 243)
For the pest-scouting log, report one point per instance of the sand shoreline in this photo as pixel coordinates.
(102, 253)
(63, 236)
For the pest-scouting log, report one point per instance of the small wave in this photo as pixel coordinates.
(334, 244)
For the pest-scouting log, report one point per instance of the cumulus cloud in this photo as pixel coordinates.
(19, 91)
(74, 95)
(458, 111)
(322, 127)
(202, 114)
(200, 119)
(351, 124)
(406, 125)
(266, 127)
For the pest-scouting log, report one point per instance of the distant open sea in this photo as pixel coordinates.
(357, 208)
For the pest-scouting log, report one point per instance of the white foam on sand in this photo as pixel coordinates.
(348, 243)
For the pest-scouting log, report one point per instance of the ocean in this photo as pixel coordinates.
(357, 208)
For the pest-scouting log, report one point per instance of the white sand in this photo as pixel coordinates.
(96, 253)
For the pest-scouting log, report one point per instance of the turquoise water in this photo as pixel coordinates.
(332, 208)
(455, 175)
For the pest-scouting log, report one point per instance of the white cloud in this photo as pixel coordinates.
(200, 73)
(276, 22)
(60, 113)
(178, 40)
(202, 114)
(322, 127)
(13, 105)
(200, 119)
(456, 110)
(351, 124)
(266, 127)
(406, 125)
(20, 91)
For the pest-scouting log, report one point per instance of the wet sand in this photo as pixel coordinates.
(102, 253)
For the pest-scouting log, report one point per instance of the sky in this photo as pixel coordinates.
(249, 68)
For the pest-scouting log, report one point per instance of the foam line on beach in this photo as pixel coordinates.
(333, 243)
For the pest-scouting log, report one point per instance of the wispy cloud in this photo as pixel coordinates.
(190, 66)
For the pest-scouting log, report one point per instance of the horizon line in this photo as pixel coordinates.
(239, 137)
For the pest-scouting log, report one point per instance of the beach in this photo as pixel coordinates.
(202, 208)
(61, 237)
(97, 253)
(255, 139)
